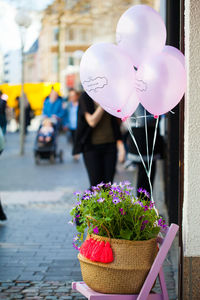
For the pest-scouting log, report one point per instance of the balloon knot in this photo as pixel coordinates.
(155, 116)
(124, 118)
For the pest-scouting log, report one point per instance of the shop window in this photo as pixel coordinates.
(70, 61)
(55, 34)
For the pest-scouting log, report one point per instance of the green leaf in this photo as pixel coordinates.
(125, 234)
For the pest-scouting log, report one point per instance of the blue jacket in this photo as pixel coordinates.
(53, 108)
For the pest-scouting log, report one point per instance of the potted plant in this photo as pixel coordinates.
(121, 242)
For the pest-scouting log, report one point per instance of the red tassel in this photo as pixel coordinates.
(84, 247)
(90, 248)
(107, 254)
(97, 251)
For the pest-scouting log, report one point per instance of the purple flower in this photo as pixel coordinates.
(108, 185)
(116, 200)
(77, 193)
(139, 203)
(95, 188)
(140, 190)
(86, 197)
(101, 184)
(75, 246)
(100, 200)
(76, 238)
(78, 203)
(126, 182)
(146, 193)
(96, 230)
(77, 216)
(146, 208)
(116, 189)
(145, 221)
(161, 223)
(127, 193)
(87, 192)
(122, 211)
(129, 188)
(121, 184)
(144, 224)
(150, 204)
(143, 191)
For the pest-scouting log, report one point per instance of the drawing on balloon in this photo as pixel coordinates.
(93, 84)
(140, 85)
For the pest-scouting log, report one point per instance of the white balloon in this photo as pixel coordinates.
(108, 77)
(141, 32)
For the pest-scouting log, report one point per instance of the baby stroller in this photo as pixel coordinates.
(47, 150)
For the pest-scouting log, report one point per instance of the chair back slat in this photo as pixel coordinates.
(155, 269)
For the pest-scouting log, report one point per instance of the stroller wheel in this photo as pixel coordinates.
(52, 158)
(61, 156)
(37, 159)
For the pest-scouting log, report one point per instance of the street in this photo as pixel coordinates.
(37, 260)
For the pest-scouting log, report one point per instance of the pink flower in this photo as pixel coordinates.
(96, 230)
(122, 211)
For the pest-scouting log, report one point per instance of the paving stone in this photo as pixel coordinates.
(36, 255)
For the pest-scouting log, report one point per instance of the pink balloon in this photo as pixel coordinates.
(161, 83)
(141, 32)
(128, 109)
(176, 53)
(107, 75)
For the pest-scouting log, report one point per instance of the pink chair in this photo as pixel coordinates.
(155, 271)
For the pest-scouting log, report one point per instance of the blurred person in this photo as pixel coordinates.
(53, 107)
(46, 131)
(3, 119)
(72, 116)
(98, 137)
(28, 112)
(2, 213)
(72, 112)
(138, 128)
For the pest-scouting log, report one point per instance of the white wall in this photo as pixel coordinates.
(191, 208)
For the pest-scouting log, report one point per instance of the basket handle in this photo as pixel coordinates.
(104, 227)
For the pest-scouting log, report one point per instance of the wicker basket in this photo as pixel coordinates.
(126, 274)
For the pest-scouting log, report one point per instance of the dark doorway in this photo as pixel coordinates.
(175, 132)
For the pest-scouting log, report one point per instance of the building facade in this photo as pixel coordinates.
(191, 223)
(31, 64)
(12, 67)
(69, 28)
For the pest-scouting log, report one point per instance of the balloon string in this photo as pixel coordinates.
(136, 145)
(146, 135)
(153, 146)
(148, 172)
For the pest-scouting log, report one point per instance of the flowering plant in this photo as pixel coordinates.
(113, 206)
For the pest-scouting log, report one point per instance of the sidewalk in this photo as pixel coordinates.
(37, 260)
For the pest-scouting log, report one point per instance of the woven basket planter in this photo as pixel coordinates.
(127, 273)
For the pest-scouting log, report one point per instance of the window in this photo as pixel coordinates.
(70, 61)
(55, 34)
(71, 34)
(84, 35)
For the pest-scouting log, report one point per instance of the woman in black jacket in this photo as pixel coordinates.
(98, 136)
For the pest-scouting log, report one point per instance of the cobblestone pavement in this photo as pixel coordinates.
(37, 260)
